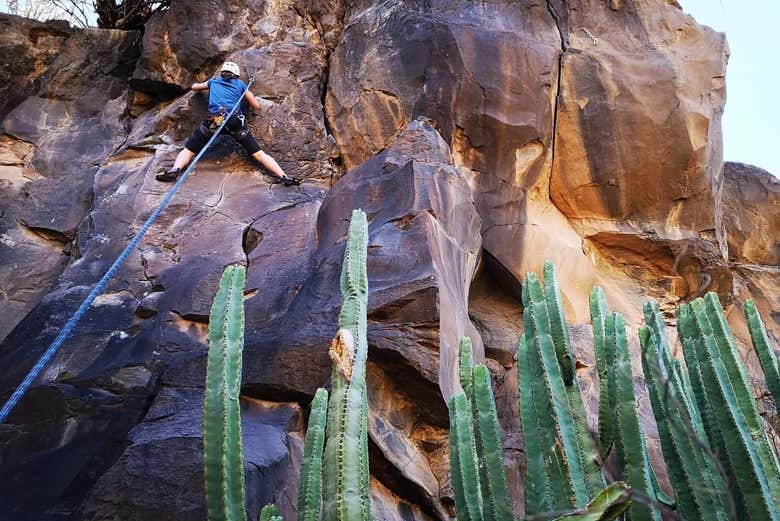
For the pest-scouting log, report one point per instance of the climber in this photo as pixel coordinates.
(224, 92)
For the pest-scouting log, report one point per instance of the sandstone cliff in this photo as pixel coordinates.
(481, 138)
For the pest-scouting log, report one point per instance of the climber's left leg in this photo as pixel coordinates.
(240, 132)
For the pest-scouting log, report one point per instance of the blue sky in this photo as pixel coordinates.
(751, 122)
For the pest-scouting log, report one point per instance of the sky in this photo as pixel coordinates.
(751, 121)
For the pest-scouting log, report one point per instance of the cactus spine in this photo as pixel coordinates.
(345, 470)
(766, 355)
(310, 483)
(223, 458)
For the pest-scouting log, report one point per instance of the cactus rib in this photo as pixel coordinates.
(463, 460)
(604, 356)
(345, 470)
(766, 355)
(310, 485)
(496, 503)
(223, 453)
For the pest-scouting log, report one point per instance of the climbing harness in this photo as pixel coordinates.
(103, 282)
(215, 121)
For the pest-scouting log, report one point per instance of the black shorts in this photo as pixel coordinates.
(236, 128)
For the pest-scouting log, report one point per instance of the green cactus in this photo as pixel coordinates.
(628, 436)
(730, 416)
(496, 502)
(574, 472)
(270, 513)
(693, 473)
(223, 460)
(766, 355)
(464, 465)
(618, 419)
(466, 366)
(310, 484)
(604, 368)
(559, 330)
(587, 449)
(547, 486)
(345, 468)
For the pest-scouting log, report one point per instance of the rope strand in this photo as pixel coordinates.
(101, 285)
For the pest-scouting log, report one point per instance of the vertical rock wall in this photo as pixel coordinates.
(480, 138)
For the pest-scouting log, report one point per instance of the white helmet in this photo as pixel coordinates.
(231, 67)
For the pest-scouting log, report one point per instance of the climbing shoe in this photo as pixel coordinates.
(290, 181)
(168, 176)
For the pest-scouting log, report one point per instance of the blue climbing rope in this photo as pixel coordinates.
(101, 285)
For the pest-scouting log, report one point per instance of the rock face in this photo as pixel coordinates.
(480, 138)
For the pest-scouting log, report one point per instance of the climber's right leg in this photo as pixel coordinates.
(194, 144)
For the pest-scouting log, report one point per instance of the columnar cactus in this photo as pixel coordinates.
(343, 460)
(586, 445)
(478, 476)
(730, 414)
(699, 488)
(766, 355)
(605, 368)
(464, 464)
(628, 436)
(223, 460)
(345, 470)
(566, 464)
(310, 483)
(618, 419)
(495, 502)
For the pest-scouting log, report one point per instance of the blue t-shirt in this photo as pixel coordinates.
(224, 93)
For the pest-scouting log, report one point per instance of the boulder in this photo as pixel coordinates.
(160, 473)
(27, 48)
(751, 214)
(53, 142)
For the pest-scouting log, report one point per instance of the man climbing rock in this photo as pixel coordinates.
(224, 92)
